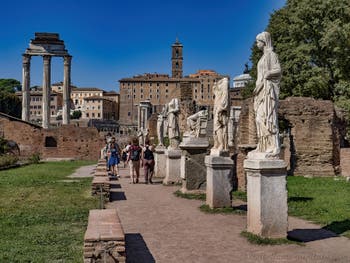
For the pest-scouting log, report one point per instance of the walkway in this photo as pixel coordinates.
(161, 227)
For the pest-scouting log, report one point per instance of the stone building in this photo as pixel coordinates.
(96, 107)
(159, 89)
(79, 94)
(35, 105)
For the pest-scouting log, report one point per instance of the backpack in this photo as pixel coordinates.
(135, 153)
(148, 154)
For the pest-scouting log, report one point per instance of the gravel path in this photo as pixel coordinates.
(161, 227)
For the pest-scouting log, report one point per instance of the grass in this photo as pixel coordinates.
(325, 201)
(43, 219)
(223, 210)
(258, 240)
(198, 196)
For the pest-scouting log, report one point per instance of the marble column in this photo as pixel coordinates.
(66, 90)
(25, 87)
(139, 117)
(46, 91)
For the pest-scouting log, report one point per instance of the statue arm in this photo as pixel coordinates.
(275, 71)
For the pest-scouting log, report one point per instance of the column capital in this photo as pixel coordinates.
(26, 58)
(67, 58)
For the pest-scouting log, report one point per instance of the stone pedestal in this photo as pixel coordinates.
(193, 169)
(160, 162)
(267, 197)
(219, 181)
(172, 170)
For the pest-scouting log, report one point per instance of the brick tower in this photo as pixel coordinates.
(176, 59)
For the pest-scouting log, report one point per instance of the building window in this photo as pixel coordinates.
(134, 96)
(150, 96)
(76, 101)
(157, 84)
(141, 84)
(195, 91)
(166, 84)
(129, 113)
(150, 84)
(98, 115)
(128, 96)
(166, 96)
(141, 90)
(93, 115)
(166, 91)
(157, 96)
(141, 96)
(87, 115)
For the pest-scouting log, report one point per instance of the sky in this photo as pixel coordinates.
(114, 39)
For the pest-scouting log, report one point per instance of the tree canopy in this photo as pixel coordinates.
(312, 41)
(10, 85)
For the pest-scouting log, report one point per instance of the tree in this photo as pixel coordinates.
(10, 104)
(76, 114)
(312, 40)
(10, 85)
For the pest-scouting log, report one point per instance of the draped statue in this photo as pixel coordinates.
(173, 123)
(161, 123)
(221, 113)
(266, 96)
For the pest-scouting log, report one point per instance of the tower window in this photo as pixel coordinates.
(177, 65)
(177, 54)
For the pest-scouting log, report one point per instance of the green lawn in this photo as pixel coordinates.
(325, 201)
(322, 200)
(43, 219)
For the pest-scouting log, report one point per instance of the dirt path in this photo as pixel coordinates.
(161, 227)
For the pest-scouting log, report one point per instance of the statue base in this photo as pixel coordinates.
(193, 169)
(219, 181)
(172, 171)
(160, 161)
(267, 197)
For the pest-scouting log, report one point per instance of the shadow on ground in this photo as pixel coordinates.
(117, 196)
(299, 199)
(137, 250)
(308, 235)
(338, 227)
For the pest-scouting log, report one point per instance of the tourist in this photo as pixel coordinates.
(124, 156)
(117, 149)
(113, 159)
(147, 162)
(134, 160)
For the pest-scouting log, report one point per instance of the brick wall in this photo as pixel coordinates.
(313, 147)
(72, 142)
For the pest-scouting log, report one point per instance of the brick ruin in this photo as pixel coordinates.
(68, 141)
(313, 136)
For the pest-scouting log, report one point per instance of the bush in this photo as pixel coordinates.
(7, 160)
(34, 158)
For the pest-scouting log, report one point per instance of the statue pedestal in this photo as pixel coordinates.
(193, 169)
(267, 197)
(160, 161)
(219, 181)
(172, 169)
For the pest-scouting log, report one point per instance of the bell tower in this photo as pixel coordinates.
(176, 59)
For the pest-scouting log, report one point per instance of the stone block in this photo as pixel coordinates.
(267, 197)
(172, 170)
(193, 169)
(219, 181)
(160, 161)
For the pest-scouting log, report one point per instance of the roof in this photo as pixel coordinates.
(158, 79)
(86, 89)
(11, 118)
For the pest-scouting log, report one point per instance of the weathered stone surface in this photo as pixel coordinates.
(345, 161)
(160, 161)
(219, 181)
(193, 169)
(104, 237)
(173, 164)
(267, 198)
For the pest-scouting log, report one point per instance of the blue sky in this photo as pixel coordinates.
(113, 39)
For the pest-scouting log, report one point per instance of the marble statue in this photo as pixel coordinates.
(221, 112)
(195, 122)
(173, 123)
(161, 121)
(266, 94)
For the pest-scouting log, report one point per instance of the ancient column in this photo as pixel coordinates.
(46, 91)
(66, 90)
(139, 117)
(25, 87)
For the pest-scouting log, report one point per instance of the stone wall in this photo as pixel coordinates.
(345, 161)
(312, 146)
(67, 141)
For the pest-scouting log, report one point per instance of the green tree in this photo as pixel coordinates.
(10, 85)
(312, 40)
(76, 114)
(10, 104)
